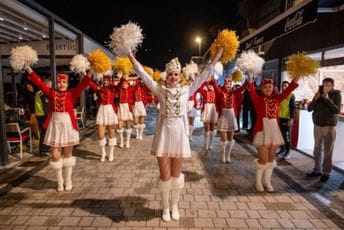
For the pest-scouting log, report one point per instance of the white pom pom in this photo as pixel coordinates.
(190, 70)
(126, 38)
(163, 76)
(79, 64)
(250, 62)
(22, 56)
(218, 68)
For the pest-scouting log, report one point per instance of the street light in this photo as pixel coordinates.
(199, 41)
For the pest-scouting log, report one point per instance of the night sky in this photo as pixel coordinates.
(169, 27)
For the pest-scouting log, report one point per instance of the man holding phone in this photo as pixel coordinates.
(325, 105)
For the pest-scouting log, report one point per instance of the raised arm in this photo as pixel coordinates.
(293, 85)
(149, 82)
(243, 87)
(76, 92)
(38, 81)
(217, 89)
(205, 73)
(93, 85)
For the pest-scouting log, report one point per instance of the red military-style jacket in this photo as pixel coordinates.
(226, 100)
(106, 95)
(209, 96)
(268, 106)
(140, 91)
(126, 95)
(60, 101)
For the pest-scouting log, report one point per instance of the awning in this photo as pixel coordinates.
(285, 23)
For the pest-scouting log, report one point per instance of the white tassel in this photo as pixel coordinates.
(250, 62)
(190, 70)
(79, 64)
(126, 38)
(22, 56)
(163, 76)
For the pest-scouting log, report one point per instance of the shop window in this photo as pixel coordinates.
(315, 56)
(334, 53)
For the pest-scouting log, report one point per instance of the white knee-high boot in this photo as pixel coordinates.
(57, 166)
(230, 147)
(191, 129)
(141, 128)
(102, 143)
(206, 139)
(112, 144)
(127, 141)
(259, 174)
(136, 127)
(223, 145)
(212, 135)
(68, 164)
(164, 188)
(267, 176)
(120, 133)
(176, 185)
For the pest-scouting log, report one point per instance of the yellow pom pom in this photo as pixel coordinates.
(301, 65)
(156, 75)
(237, 76)
(100, 62)
(148, 70)
(123, 64)
(228, 40)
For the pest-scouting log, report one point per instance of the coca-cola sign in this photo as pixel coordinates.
(294, 22)
(297, 18)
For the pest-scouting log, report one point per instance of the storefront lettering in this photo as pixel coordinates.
(294, 22)
(70, 46)
(254, 42)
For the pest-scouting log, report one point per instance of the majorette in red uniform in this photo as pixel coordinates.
(139, 110)
(106, 116)
(62, 128)
(209, 114)
(227, 122)
(267, 134)
(238, 104)
(124, 112)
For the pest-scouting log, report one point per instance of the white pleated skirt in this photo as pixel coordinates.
(106, 115)
(139, 109)
(60, 131)
(209, 113)
(270, 135)
(171, 137)
(227, 122)
(124, 113)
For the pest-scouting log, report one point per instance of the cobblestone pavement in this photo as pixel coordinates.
(122, 194)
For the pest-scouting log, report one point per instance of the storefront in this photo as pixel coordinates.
(56, 42)
(317, 31)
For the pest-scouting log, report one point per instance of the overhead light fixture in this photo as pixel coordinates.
(20, 37)
(44, 36)
(2, 19)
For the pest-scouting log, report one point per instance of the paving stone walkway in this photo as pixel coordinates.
(122, 194)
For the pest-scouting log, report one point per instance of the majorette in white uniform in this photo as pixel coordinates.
(171, 133)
